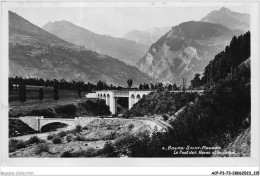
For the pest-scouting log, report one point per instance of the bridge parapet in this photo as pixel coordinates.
(121, 93)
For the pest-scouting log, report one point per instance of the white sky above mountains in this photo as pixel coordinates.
(117, 21)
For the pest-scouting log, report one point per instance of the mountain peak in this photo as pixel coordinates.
(38, 36)
(62, 22)
(228, 18)
(224, 9)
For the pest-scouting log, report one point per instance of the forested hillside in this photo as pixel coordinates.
(226, 62)
(161, 102)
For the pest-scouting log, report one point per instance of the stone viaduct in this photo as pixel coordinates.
(111, 96)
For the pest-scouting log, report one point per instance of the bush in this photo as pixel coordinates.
(80, 138)
(20, 144)
(85, 153)
(130, 126)
(57, 140)
(50, 137)
(96, 108)
(82, 153)
(109, 149)
(67, 110)
(85, 128)
(69, 138)
(16, 144)
(66, 154)
(110, 136)
(62, 134)
(12, 145)
(109, 128)
(165, 117)
(43, 147)
(78, 129)
(33, 140)
(42, 112)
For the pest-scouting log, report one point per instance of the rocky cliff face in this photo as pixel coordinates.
(185, 50)
(36, 53)
(124, 50)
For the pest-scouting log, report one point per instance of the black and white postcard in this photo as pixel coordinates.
(130, 84)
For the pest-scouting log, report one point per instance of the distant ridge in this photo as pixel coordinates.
(147, 37)
(125, 50)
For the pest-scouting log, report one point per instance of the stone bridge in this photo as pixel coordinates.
(37, 122)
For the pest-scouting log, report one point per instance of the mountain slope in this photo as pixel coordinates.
(185, 50)
(23, 32)
(233, 20)
(34, 52)
(122, 49)
(147, 37)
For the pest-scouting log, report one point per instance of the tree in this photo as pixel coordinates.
(41, 94)
(130, 83)
(146, 86)
(11, 87)
(170, 87)
(140, 86)
(159, 86)
(174, 87)
(196, 82)
(22, 93)
(79, 92)
(56, 92)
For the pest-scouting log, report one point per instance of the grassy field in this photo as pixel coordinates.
(32, 102)
(32, 93)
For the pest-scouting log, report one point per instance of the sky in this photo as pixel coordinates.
(117, 21)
